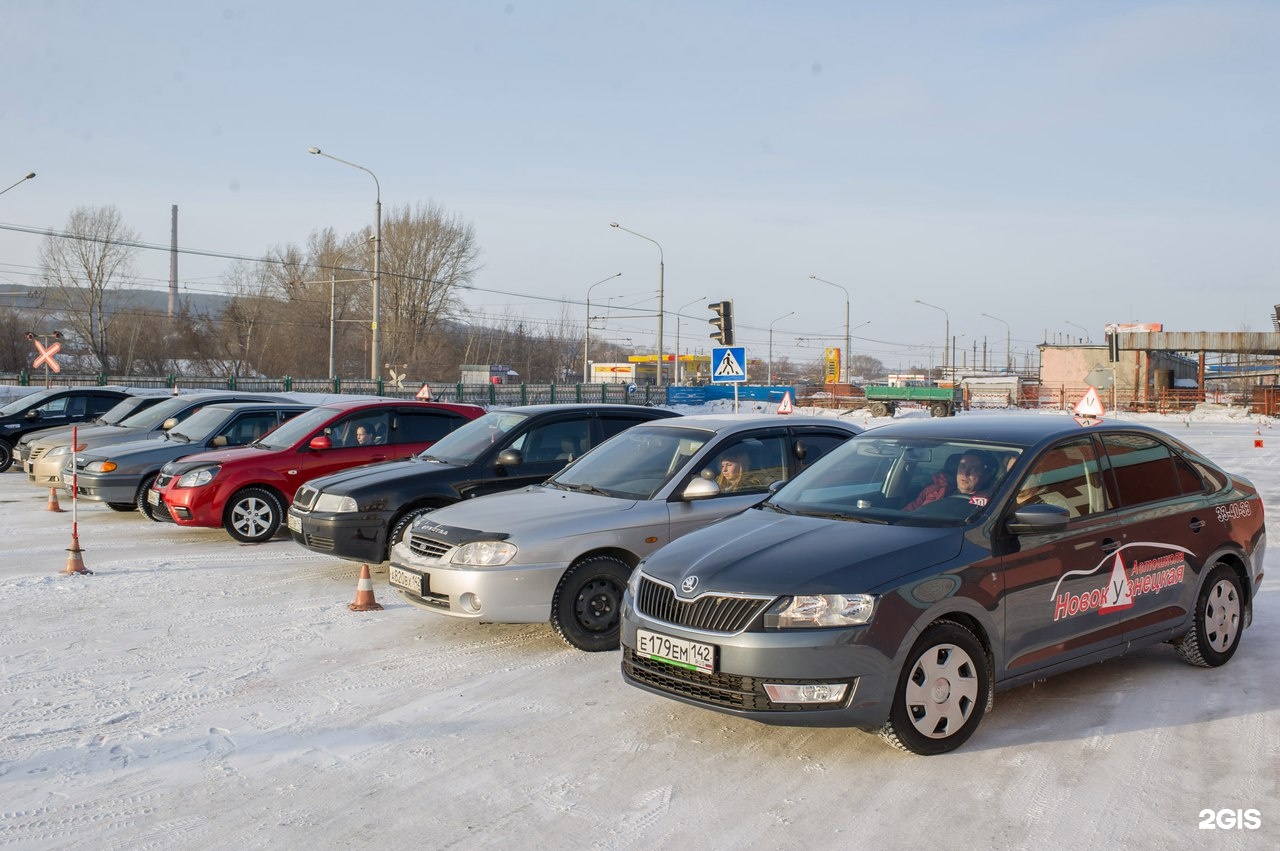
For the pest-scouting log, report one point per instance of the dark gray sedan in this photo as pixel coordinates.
(924, 565)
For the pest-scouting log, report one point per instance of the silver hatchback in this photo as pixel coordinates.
(563, 551)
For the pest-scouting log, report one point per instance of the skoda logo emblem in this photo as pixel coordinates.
(690, 582)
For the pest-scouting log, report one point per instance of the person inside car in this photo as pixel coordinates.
(733, 471)
(364, 436)
(973, 476)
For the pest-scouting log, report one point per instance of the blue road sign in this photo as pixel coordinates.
(728, 363)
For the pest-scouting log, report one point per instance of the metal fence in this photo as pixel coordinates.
(476, 394)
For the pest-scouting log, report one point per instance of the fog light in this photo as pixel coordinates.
(184, 513)
(807, 693)
(470, 602)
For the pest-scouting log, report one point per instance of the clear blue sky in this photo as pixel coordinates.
(1059, 165)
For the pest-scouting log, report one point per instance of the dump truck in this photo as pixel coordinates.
(883, 400)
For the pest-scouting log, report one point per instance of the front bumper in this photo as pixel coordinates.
(511, 594)
(98, 487)
(746, 661)
(359, 536)
(192, 507)
(46, 471)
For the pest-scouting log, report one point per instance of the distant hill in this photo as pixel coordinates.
(202, 303)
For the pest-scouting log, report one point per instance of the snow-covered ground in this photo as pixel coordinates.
(197, 693)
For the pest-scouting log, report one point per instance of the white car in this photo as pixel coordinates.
(563, 551)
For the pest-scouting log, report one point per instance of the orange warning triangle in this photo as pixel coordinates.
(784, 407)
(1089, 409)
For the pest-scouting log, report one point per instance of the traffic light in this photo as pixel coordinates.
(723, 322)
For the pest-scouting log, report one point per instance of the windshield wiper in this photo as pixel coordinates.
(177, 435)
(583, 487)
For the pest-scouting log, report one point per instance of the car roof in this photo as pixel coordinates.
(361, 404)
(598, 407)
(1017, 429)
(729, 423)
(263, 405)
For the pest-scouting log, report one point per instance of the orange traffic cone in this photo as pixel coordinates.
(53, 501)
(364, 601)
(75, 564)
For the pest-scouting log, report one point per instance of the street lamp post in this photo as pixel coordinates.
(847, 338)
(661, 272)
(375, 345)
(679, 379)
(784, 316)
(10, 186)
(586, 329)
(946, 338)
(1008, 353)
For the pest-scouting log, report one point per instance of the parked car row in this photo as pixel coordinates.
(791, 570)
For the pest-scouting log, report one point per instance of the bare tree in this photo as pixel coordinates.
(83, 269)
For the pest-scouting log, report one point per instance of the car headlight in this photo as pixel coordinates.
(100, 467)
(819, 610)
(485, 553)
(197, 477)
(336, 504)
(633, 583)
(58, 450)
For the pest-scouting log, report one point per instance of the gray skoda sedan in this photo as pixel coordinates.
(924, 565)
(562, 551)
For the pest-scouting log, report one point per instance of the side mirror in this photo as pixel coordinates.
(510, 458)
(33, 414)
(320, 442)
(700, 488)
(1038, 519)
(219, 441)
(169, 423)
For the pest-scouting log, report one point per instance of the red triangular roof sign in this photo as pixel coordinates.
(425, 393)
(1089, 409)
(784, 407)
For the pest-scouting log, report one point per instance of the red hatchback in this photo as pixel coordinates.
(245, 490)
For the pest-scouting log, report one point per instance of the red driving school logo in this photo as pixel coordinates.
(1124, 585)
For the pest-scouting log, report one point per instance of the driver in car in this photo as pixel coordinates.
(973, 477)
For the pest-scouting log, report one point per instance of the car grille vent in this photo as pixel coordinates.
(37, 452)
(728, 691)
(709, 614)
(305, 497)
(424, 546)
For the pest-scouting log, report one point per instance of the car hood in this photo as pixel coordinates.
(762, 552)
(219, 456)
(375, 477)
(94, 434)
(535, 511)
(139, 445)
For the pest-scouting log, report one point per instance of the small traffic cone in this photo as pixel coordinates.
(53, 501)
(75, 564)
(364, 601)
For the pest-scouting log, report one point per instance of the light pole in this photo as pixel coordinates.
(7, 188)
(1008, 353)
(946, 337)
(586, 329)
(678, 380)
(375, 347)
(661, 271)
(783, 316)
(1088, 339)
(847, 338)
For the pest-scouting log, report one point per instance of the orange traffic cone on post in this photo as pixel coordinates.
(75, 564)
(364, 601)
(53, 501)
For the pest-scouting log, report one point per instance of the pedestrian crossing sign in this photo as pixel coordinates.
(728, 363)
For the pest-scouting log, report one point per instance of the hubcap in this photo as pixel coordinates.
(251, 517)
(1222, 616)
(942, 691)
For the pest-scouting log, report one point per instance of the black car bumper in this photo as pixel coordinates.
(358, 537)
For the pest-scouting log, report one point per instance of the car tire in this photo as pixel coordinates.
(942, 693)
(1217, 622)
(140, 499)
(253, 515)
(586, 610)
(120, 506)
(6, 456)
(403, 522)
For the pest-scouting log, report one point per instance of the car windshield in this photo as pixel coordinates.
(158, 413)
(23, 402)
(901, 480)
(467, 443)
(122, 410)
(635, 464)
(200, 426)
(297, 428)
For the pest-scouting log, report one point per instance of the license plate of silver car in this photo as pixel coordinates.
(406, 579)
(153, 497)
(693, 655)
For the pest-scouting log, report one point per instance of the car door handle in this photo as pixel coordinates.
(1109, 545)
(1196, 524)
